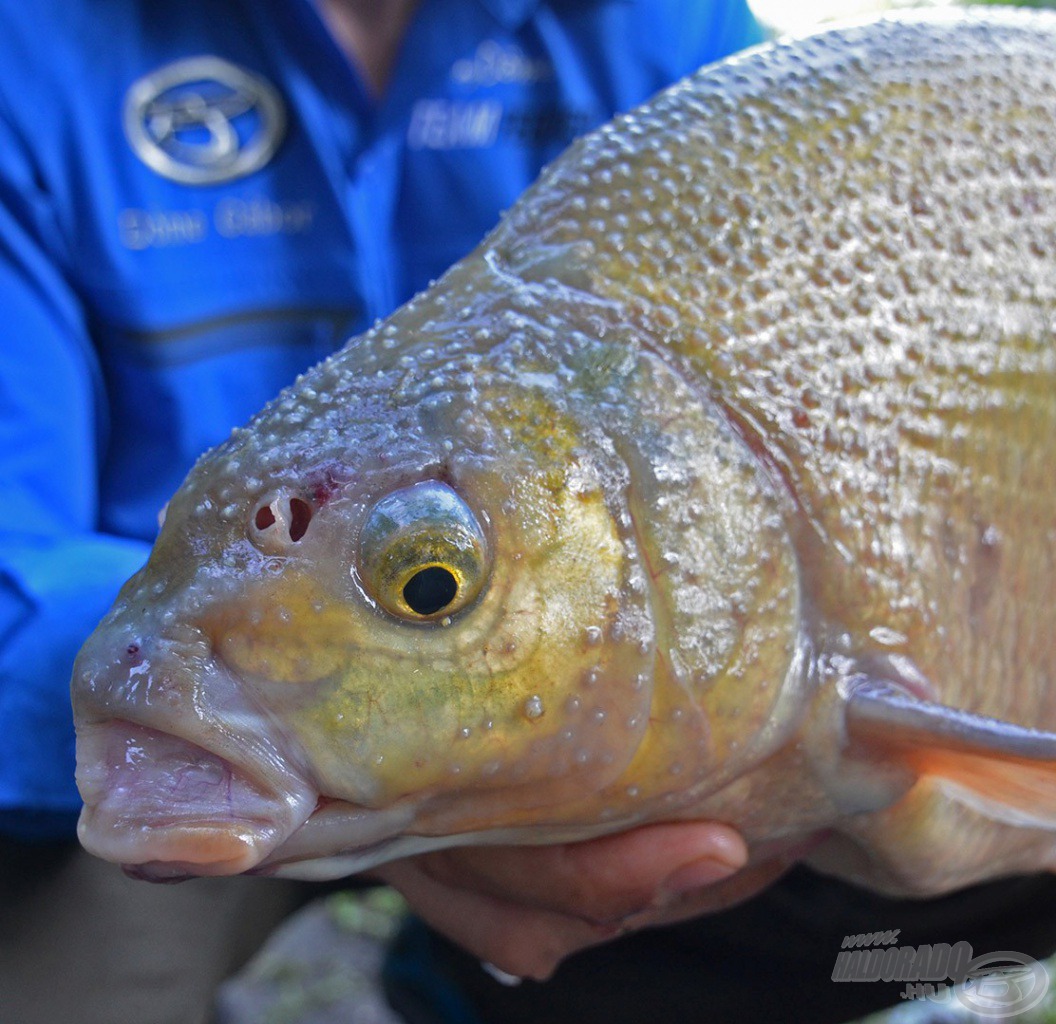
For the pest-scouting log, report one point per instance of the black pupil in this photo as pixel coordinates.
(429, 590)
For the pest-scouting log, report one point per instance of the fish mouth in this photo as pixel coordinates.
(166, 808)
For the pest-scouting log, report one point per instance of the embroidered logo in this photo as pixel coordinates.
(204, 121)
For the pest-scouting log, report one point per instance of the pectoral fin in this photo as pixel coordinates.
(996, 761)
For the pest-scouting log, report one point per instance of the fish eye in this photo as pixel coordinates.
(422, 552)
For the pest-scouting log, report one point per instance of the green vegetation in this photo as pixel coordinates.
(1016, 3)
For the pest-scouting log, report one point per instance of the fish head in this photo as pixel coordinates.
(394, 611)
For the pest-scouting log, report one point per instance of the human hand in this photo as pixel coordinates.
(524, 909)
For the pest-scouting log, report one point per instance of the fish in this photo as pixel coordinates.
(716, 483)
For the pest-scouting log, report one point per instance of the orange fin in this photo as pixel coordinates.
(1002, 765)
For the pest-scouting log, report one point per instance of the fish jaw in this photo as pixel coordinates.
(180, 773)
(168, 805)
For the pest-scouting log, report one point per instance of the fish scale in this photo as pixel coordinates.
(750, 403)
(889, 396)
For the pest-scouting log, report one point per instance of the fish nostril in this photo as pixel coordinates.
(265, 518)
(280, 522)
(300, 517)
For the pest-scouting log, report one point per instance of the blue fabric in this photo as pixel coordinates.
(142, 318)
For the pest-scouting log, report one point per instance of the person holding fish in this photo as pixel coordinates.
(561, 547)
(200, 201)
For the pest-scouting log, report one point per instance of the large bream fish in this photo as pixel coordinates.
(719, 482)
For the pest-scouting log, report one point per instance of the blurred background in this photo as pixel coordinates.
(799, 15)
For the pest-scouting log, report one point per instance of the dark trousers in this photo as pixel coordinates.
(768, 961)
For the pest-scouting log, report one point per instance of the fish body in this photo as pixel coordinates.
(716, 483)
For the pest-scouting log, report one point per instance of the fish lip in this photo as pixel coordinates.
(142, 873)
(185, 809)
(198, 719)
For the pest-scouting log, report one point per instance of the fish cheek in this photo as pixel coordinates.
(534, 694)
(285, 643)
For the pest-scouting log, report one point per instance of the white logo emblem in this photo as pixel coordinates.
(203, 121)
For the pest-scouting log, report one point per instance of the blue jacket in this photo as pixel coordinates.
(200, 199)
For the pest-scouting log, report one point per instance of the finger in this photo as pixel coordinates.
(601, 880)
(678, 901)
(678, 904)
(671, 908)
(519, 940)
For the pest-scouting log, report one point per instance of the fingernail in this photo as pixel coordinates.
(501, 976)
(697, 874)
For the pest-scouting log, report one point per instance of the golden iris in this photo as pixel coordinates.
(423, 554)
